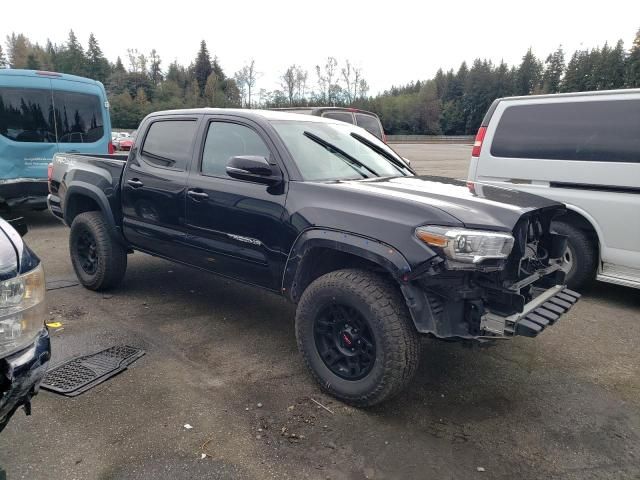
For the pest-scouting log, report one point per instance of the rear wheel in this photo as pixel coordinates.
(99, 261)
(354, 332)
(580, 259)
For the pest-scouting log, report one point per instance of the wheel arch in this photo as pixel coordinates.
(578, 218)
(320, 251)
(83, 197)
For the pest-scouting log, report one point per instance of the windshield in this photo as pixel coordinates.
(329, 151)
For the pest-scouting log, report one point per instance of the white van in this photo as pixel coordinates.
(582, 149)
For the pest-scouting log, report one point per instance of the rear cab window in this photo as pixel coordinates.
(370, 123)
(597, 130)
(169, 143)
(342, 116)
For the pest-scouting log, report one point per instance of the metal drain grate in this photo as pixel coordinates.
(82, 373)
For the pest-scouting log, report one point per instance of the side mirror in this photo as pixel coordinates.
(253, 168)
(20, 225)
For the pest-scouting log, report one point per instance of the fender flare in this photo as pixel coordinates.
(369, 249)
(84, 189)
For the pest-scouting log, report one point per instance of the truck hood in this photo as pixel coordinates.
(476, 205)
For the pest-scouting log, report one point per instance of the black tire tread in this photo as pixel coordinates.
(112, 255)
(399, 334)
(586, 260)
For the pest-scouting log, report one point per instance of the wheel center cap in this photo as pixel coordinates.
(347, 340)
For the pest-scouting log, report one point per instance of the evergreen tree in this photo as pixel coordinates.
(633, 64)
(202, 67)
(97, 66)
(72, 59)
(155, 73)
(32, 62)
(3, 59)
(554, 68)
(528, 75)
(119, 66)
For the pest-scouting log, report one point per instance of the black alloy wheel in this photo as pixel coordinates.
(87, 252)
(344, 341)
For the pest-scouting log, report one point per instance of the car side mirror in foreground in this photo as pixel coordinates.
(253, 168)
(20, 225)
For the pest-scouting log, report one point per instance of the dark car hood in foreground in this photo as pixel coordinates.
(475, 205)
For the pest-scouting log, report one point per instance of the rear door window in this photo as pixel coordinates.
(78, 117)
(370, 123)
(342, 116)
(602, 131)
(169, 143)
(26, 115)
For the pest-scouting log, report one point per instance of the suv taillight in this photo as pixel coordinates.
(112, 149)
(477, 144)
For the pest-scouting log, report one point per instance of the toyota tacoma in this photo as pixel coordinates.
(329, 216)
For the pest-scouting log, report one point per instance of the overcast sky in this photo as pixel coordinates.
(393, 42)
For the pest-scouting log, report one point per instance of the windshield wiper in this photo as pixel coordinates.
(341, 154)
(400, 165)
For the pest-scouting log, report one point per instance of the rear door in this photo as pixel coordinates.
(154, 184)
(81, 116)
(27, 128)
(582, 151)
(234, 226)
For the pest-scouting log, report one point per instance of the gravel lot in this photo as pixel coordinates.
(565, 405)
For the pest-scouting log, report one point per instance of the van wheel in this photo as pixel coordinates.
(355, 335)
(99, 261)
(580, 259)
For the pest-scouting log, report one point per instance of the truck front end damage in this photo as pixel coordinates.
(494, 296)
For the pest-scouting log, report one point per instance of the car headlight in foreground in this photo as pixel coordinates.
(466, 249)
(22, 310)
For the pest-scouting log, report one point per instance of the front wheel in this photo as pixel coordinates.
(99, 260)
(355, 335)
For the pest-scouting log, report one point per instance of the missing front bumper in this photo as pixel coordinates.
(544, 310)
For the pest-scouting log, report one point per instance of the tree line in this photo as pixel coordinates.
(451, 103)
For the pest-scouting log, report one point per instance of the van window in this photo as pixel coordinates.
(78, 117)
(603, 131)
(370, 124)
(26, 115)
(342, 116)
(168, 143)
(227, 140)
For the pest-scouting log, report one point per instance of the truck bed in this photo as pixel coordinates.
(97, 175)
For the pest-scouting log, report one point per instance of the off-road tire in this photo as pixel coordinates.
(111, 255)
(397, 343)
(584, 252)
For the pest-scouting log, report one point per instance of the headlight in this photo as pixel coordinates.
(21, 310)
(467, 248)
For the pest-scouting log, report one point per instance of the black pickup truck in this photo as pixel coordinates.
(329, 216)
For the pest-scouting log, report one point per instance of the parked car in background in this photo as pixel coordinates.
(327, 215)
(24, 339)
(124, 143)
(582, 149)
(362, 118)
(43, 113)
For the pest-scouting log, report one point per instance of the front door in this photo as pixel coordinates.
(235, 227)
(154, 184)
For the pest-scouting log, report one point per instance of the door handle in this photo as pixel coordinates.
(197, 195)
(135, 183)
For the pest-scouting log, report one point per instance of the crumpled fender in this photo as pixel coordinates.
(370, 249)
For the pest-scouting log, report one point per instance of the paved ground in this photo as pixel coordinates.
(563, 406)
(447, 160)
